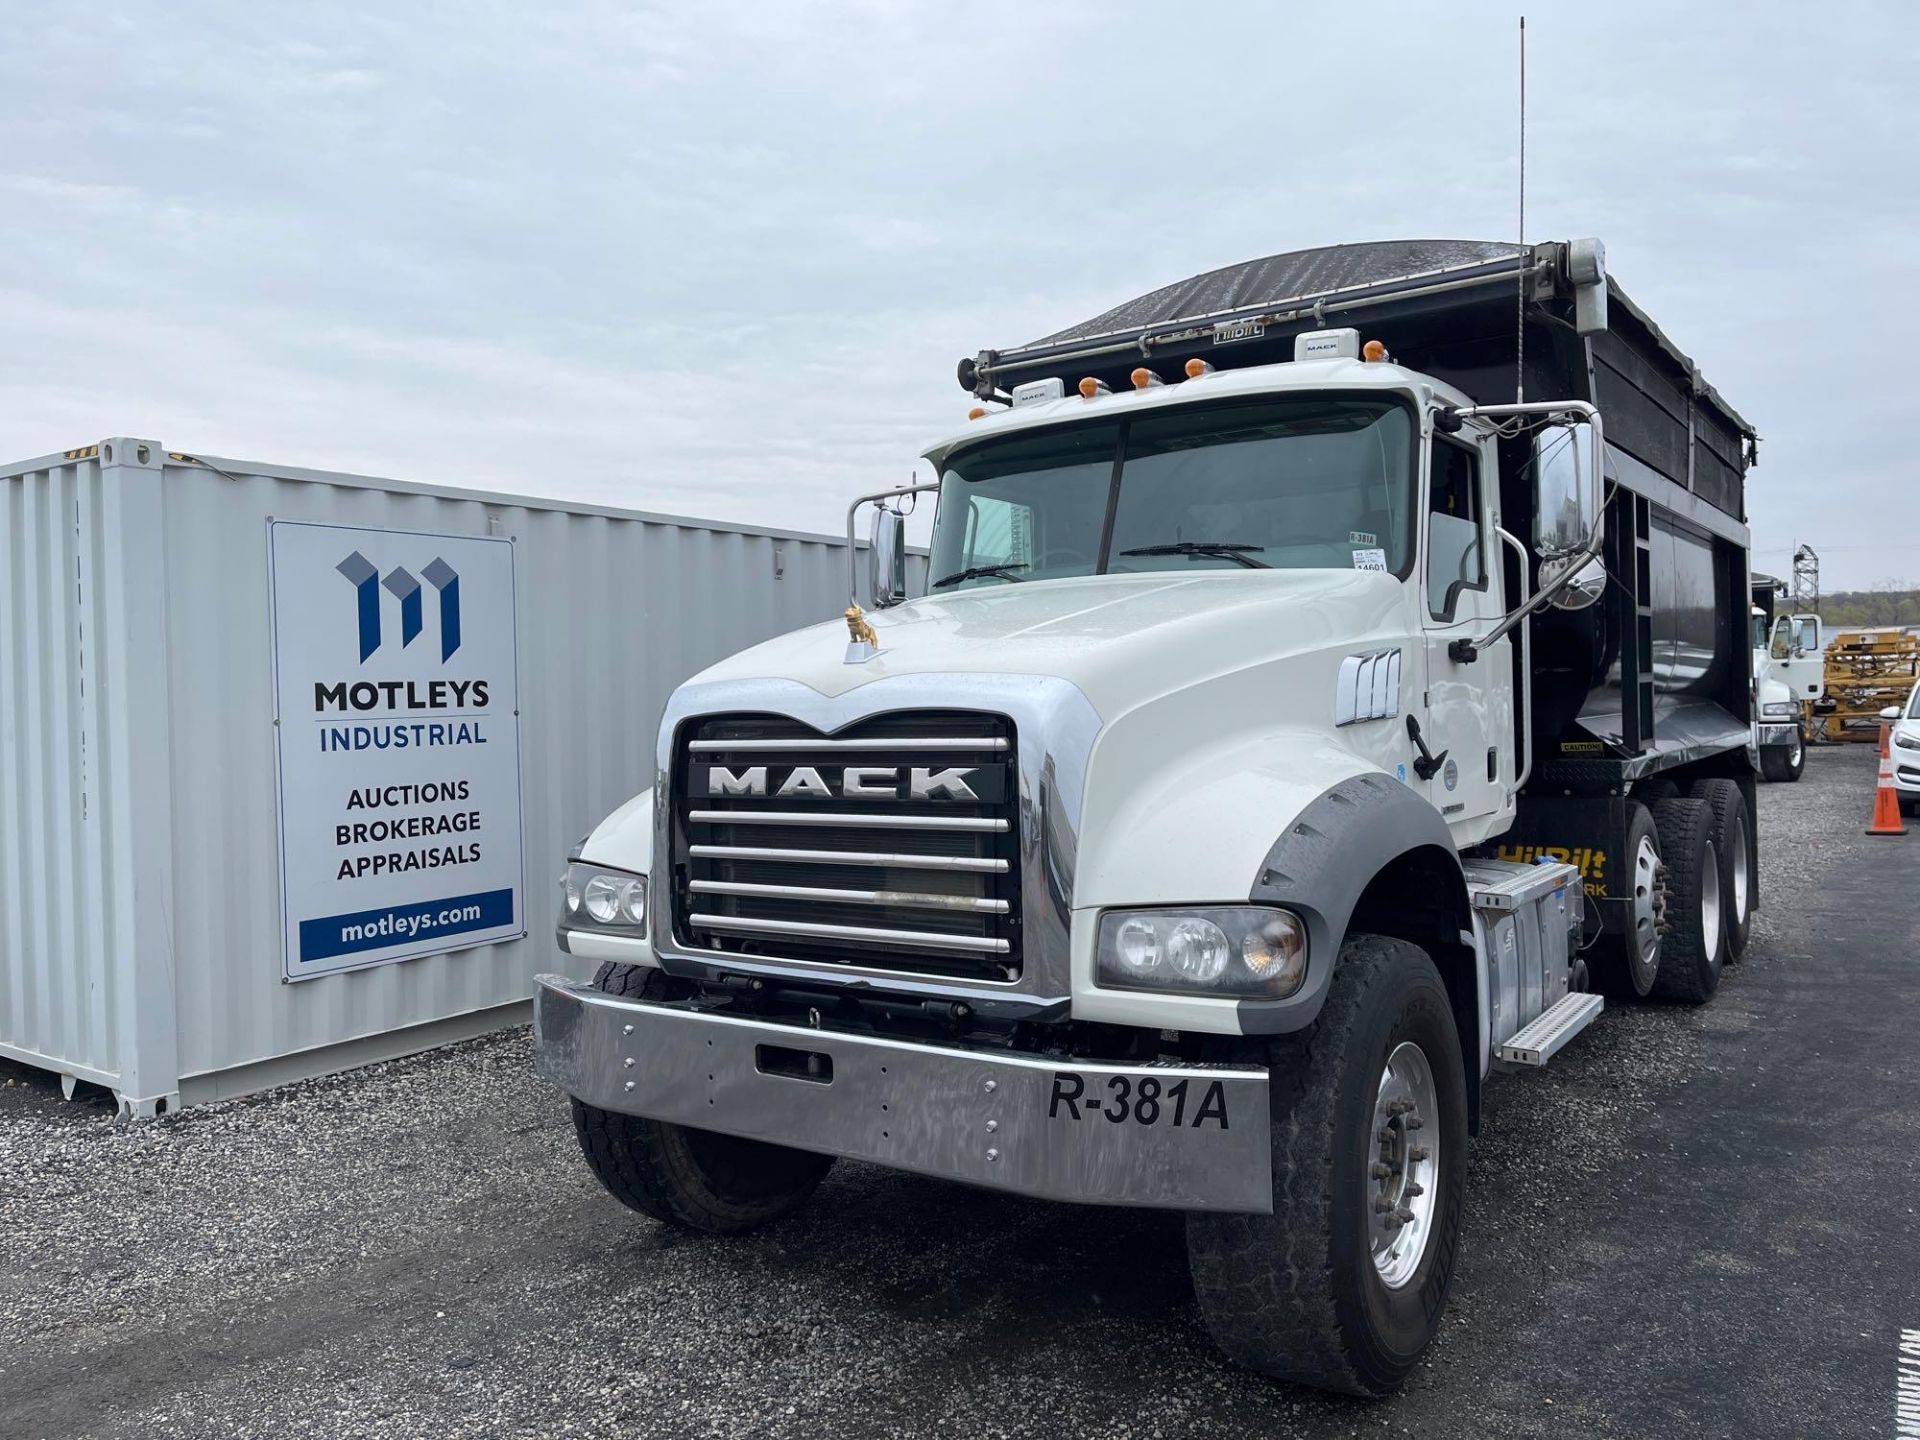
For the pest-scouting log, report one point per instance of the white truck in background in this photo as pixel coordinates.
(1297, 729)
(1789, 678)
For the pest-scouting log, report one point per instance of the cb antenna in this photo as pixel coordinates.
(1520, 309)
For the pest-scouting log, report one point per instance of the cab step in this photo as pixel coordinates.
(1537, 1043)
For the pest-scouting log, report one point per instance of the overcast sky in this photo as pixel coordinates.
(720, 259)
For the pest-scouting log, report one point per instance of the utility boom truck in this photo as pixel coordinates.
(1334, 672)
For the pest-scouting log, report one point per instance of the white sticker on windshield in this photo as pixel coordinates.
(1370, 559)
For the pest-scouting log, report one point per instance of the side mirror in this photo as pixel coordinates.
(1892, 712)
(1566, 488)
(887, 557)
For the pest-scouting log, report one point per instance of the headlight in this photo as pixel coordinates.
(599, 899)
(1244, 952)
(1907, 742)
(1778, 707)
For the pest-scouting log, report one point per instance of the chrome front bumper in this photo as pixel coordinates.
(1030, 1125)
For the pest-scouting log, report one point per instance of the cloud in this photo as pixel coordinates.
(722, 258)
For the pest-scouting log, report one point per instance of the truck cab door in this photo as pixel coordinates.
(1802, 667)
(1467, 709)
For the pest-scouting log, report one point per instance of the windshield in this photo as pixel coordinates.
(1307, 482)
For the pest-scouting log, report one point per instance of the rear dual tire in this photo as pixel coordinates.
(1733, 841)
(1691, 882)
(1693, 946)
(1626, 961)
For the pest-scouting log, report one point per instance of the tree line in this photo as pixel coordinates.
(1891, 602)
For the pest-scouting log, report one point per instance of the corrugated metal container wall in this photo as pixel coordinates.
(137, 783)
(60, 1013)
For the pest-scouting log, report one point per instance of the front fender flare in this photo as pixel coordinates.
(1320, 866)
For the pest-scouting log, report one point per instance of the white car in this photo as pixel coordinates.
(1906, 751)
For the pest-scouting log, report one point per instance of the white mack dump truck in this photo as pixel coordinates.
(1298, 730)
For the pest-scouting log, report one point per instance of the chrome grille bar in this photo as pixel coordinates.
(911, 885)
(971, 823)
(909, 899)
(851, 934)
(891, 743)
(970, 864)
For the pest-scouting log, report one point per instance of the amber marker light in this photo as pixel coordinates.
(1373, 352)
(1197, 367)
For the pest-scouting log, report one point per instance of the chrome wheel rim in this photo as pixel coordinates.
(1646, 906)
(1799, 749)
(1404, 1173)
(1742, 880)
(1710, 906)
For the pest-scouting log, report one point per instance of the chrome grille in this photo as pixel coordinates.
(914, 882)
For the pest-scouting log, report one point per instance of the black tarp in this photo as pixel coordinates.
(1297, 274)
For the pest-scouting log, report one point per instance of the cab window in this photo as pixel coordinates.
(1456, 558)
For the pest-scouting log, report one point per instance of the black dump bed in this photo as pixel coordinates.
(1656, 676)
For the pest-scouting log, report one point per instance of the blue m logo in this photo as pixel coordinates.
(401, 584)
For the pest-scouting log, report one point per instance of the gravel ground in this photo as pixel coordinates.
(1695, 1222)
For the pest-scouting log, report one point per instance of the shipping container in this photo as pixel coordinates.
(143, 929)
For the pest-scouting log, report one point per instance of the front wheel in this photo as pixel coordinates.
(1343, 1285)
(692, 1179)
(1785, 763)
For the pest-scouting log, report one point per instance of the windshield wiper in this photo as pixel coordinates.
(1003, 571)
(1224, 549)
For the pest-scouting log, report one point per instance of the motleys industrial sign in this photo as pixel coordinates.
(397, 714)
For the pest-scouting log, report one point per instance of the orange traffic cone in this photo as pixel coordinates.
(1886, 800)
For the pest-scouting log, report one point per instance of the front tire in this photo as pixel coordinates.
(1343, 1285)
(1785, 763)
(688, 1178)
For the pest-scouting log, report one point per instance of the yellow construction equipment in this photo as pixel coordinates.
(1867, 670)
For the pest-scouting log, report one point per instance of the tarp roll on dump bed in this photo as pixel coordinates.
(1446, 307)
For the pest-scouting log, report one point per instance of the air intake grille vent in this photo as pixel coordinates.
(891, 845)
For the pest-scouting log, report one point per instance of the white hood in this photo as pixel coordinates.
(1119, 638)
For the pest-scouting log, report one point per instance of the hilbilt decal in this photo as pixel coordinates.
(1589, 860)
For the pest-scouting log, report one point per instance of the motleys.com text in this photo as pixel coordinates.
(405, 927)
